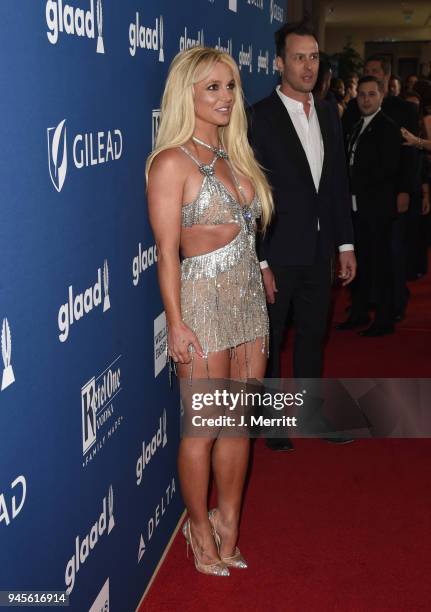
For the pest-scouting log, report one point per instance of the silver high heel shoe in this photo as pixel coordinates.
(236, 560)
(219, 568)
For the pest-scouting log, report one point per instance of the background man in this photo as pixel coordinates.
(298, 140)
(374, 148)
(405, 115)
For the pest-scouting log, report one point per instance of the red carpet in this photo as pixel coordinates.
(330, 528)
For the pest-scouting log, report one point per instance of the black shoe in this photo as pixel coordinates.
(376, 330)
(339, 440)
(353, 323)
(280, 444)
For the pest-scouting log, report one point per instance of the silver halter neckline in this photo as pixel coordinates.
(219, 151)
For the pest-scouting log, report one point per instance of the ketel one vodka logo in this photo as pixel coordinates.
(75, 21)
(149, 449)
(100, 415)
(80, 304)
(6, 350)
(84, 546)
(88, 149)
(146, 37)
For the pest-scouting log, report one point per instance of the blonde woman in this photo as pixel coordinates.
(205, 194)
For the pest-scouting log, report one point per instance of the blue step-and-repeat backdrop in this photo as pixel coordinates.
(89, 493)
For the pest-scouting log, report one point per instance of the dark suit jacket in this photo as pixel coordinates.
(404, 114)
(292, 236)
(373, 176)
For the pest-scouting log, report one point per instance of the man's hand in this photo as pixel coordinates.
(403, 201)
(347, 267)
(269, 284)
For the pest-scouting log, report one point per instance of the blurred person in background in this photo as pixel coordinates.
(395, 85)
(338, 90)
(410, 82)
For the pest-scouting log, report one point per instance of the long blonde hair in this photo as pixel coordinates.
(177, 118)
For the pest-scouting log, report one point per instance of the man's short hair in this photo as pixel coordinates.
(384, 62)
(300, 28)
(372, 79)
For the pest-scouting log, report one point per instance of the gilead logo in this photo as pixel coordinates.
(78, 305)
(11, 505)
(88, 149)
(84, 546)
(101, 603)
(65, 18)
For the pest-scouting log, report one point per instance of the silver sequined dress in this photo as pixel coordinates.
(222, 296)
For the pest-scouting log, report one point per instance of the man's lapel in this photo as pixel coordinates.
(322, 115)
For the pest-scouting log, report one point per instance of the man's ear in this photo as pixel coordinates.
(279, 63)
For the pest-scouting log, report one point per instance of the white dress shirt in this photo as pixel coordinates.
(310, 136)
(367, 121)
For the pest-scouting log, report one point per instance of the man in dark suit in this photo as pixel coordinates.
(404, 114)
(374, 148)
(298, 140)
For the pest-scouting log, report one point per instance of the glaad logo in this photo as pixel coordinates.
(57, 147)
(233, 5)
(276, 12)
(101, 603)
(144, 260)
(100, 417)
(6, 350)
(144, 37)
(227, 48)
(263, 62)
(74, 21)
(150, 449)
(246, 58)
(274, 64)
(83, 303)
(15, 506)
(160, 343)
(187, 43)
(154, 520)
(84, 547)
(88, 150)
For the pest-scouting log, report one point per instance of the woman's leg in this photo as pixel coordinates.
(230, 455)
(194, 462)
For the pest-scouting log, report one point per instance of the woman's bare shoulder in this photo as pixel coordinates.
(170, 161)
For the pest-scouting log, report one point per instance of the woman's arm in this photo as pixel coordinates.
(165, 192)
(414, 141)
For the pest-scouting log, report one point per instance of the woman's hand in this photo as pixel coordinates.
(181, 342)
(410, 139)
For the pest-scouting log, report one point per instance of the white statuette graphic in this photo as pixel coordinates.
(161, 52)
(141, 549)
(6, 348)
(233, 5)
(111, 523)
(57, 155)
(165, 435)
(100, 45)
(106, 301)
